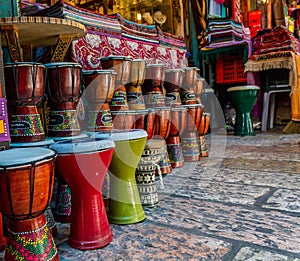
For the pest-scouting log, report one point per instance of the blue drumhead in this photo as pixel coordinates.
(121, 135)
(24, 156)
(43, 143)
(83, 145)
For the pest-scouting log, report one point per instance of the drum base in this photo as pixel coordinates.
(190, 146)
(243, 125)
(175, 152)
(203, 146)
(165, 164)
(31, 238)
(62, 209)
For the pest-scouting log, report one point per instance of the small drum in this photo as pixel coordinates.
(145, 172)
(24, 84)
(190, 78)
(63, 84)
(144, 120)
(64, 90)
(120, 64)
(125, 204)
(194, 115)
(162, 124)
(83, 163)
(134, 89)
(178, 121)
(26, 184)
(172, 84)
(202, 131)
(99, 86)
(123, 119)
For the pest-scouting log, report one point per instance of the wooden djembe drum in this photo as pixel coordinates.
(172, 84)
(122, 66)
(189, 138)
(202, 131)
(135, 96)
(99, 87)
(153, 87)
(26, 184)
(64, 89)
(174, 144)
(187, 92)
(24, 84)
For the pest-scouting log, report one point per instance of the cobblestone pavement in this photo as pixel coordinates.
(240, 203)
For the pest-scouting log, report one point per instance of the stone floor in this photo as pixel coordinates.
(240, 203)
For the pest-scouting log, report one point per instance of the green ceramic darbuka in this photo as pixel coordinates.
(125, 204)
(243, 99)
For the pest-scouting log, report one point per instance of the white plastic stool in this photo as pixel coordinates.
(269, 98)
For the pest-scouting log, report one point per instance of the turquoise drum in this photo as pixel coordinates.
(243, 99)
(125, 205)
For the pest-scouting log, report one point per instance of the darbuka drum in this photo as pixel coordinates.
(122, 65)
(64, 90)
(26, 184)
(153, 86)
(144, 120)
(125, 204)
(123, 119)
(134, 90)
(83, 163)
(202, 130)
(24, 84)
(172, 84)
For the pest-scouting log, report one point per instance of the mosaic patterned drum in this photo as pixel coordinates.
(24, 84)
(125, 204)
(145, 172)
(83, 163)
(153, 87)
(64, 90)
(122, 65)
(39, 144)
(26, 184)
(123, 119)
(134, 90)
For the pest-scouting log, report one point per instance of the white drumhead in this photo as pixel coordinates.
(83, 145)
(122, 135)
(24, 156)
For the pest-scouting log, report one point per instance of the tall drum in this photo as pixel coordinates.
(98, 92)
(26, 184)
(173, 83)
(24, 84)
(122, 65)
(134, 90)
(64, 89)
(125, 204)
(83, 163)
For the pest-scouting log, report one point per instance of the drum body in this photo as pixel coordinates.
(190, 78)
(199, 89)
(134, 90)
(172, 84)
(153, 87)
(194, 115)
(123, 119)
(99, 118)
(125, 204)
(122, 65)
(78, 161)
(24, 83)
(26, 184)
(202, 130)
(145, 172)
(162, 124)
(99, 86)
(64, 89)
(144, 120)
(178, 121)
